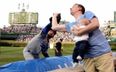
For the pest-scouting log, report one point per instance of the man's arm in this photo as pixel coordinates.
(55, 25)
(82, 24)
(94, 24)
(47, 28)
(84, 21)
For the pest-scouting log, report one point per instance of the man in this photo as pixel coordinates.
(40, 43)
(81, 42)
(99, 57)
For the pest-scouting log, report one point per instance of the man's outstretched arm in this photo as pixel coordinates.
(55, 25)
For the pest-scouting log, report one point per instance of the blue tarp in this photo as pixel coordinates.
(38, 65)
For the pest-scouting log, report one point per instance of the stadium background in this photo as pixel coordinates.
(23, 27)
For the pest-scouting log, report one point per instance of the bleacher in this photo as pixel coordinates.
(27, 32)
(19, 32)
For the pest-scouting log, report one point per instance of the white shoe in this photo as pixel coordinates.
(79, 58)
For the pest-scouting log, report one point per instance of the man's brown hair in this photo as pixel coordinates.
(82, 8)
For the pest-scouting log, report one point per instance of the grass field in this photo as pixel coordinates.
(11, 54)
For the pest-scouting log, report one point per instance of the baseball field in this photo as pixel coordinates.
(10, 54)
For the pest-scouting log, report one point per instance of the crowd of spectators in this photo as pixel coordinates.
(67, 37)
(25, 37)
(27, 32)
(20, 28)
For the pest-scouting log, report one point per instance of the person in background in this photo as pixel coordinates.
(58, 47)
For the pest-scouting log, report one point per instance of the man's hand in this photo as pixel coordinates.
(76, 30)
(79, 31)
(55, 14)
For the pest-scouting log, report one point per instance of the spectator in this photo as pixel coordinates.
(58, 47)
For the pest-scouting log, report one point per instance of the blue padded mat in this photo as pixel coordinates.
(38, 65)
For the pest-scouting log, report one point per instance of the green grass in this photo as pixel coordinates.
(12, 54)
